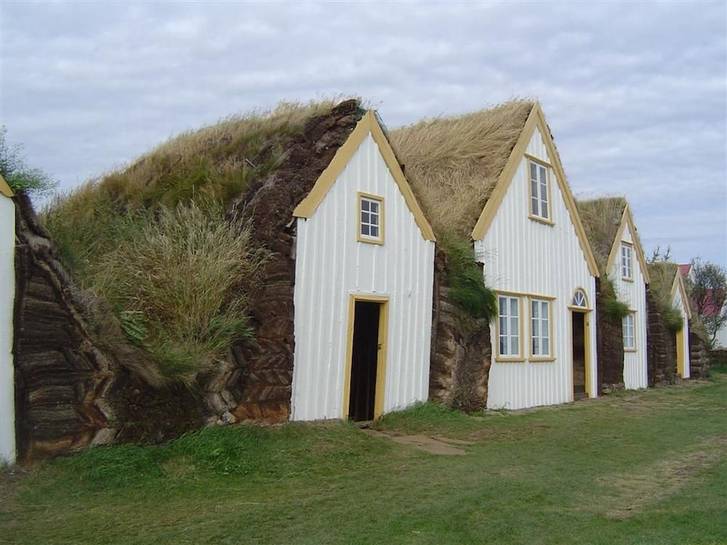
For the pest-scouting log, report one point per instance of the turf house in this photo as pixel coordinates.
(494, 177)
(621, 296)
(7, 290)
(270, 267)
(669, 316)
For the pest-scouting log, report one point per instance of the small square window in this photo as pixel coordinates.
(371, 219)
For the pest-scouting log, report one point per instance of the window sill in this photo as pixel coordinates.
(370, 241)
(502, 359)
(544, 221)
(627, 279)
(541, 359)
(630, 350)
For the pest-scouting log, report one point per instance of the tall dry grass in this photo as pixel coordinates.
(179, 284)
(453, 163)
(601, 219)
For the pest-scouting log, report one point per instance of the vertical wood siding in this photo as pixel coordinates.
(678, 303)
(7, 296)
(634, 295)
(331, 265)
(523, 255)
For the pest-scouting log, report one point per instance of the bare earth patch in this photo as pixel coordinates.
(630, 493)
(438, 445)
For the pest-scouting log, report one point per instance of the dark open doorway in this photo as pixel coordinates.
(364, 361)
(579, 354)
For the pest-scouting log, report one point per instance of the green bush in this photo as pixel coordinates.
(672, 319)
(615, 310)
(466, 285)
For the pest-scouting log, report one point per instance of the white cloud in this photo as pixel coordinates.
(636, 94)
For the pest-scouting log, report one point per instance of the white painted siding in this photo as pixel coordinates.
(7, 297)
(678, 303)
(634, 295)
(523, 255)
(331, 265)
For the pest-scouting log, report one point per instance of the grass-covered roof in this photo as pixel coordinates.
(601, 219)
(453, 163)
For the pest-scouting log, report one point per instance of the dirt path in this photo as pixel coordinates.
(441, 446)
(630, 493)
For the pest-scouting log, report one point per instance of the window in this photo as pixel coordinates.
(629, 332)
(627, 253)
(579, 299)
(539, 328)
(371, 219)
(509, 326)
(539, 190)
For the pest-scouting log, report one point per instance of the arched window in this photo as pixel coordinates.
(580, 299)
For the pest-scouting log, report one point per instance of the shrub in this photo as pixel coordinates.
(178, 283)
(466, 285)
(616, 310)
(19, 176)
(672, 318)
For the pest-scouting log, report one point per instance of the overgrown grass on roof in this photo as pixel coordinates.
(662, 274)
(453, 163)
(152, 236)
(601, 219)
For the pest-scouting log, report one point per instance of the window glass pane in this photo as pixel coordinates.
(533, 171)
(374, 219)
(364, 229)
(364, 204)
(503, 346)
(374, 207)
(544, 207)
(546, 347)
(513, 325)
(535, 309)
(536, 346)
(513, 306)
(514, 349)
(503, 325)
(364, 217)
(374, 231)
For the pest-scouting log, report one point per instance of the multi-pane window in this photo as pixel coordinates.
(539, 190)
(509, 326)
(370, 219)
(539, 327)
(627, 257)
(629, 332)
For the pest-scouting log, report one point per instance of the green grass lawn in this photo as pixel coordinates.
(633, 468)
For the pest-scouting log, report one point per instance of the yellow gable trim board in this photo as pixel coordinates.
(678, 284)
(5, 188)
(535, 119)
(367, 125)
(627, 219)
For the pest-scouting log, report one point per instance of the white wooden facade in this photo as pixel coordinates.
(532, 258)
(680, 302)
(333, 266)
(632, 291)
(7, 296)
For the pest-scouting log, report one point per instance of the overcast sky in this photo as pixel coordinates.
(635, 93)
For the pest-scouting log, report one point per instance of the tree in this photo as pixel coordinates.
(708, 286)
(19, 176)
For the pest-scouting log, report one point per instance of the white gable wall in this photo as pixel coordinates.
(331, 265)
(634, 295)
(7, 297)
(679, 304)
(523, 255)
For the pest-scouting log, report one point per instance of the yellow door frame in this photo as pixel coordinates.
(680, 352)
(383, 301)
(586, 347)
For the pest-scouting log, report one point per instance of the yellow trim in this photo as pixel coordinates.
(628, 219)
(5, 188)
(678, 284)
(585, 295)
(681, 360)
(520, 357)
(548, 183)
(367, 125)
(535, 119)
(530, 295)
(381, 356)
(586, 348)
(380, 200)
(549, 356)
